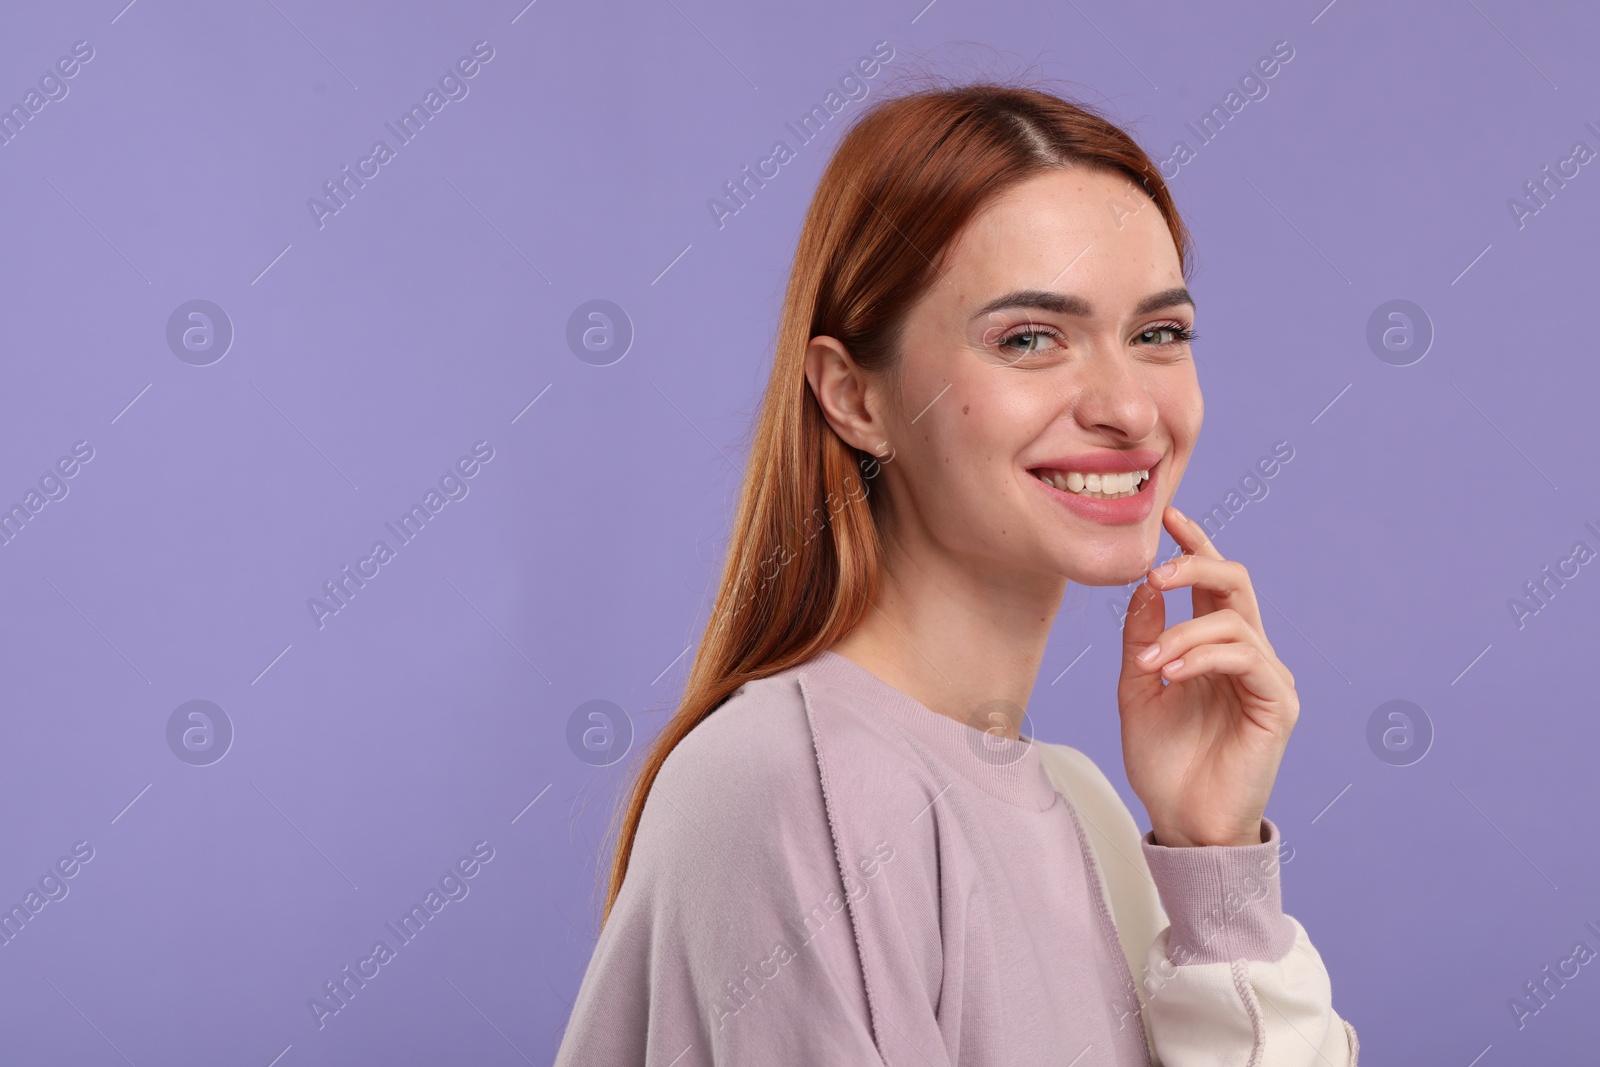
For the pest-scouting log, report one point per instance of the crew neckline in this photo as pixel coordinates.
(1007, 770)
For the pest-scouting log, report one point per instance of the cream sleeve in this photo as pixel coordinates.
(1223, 975)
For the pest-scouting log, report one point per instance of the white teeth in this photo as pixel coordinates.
(1101, 486)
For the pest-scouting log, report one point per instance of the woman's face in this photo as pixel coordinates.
(1052, 343)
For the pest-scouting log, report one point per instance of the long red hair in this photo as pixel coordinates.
(802, 560)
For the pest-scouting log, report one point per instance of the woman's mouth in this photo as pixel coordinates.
(1112, 498)
(1094, 486)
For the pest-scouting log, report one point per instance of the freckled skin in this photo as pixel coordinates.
(1080, 384)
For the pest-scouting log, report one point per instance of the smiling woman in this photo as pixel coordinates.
(962, 300)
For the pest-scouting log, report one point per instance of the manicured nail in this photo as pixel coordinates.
(1150, 653)
(1167, 570)
(1172, 668)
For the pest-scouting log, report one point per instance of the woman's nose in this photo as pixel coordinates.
(1112, 396)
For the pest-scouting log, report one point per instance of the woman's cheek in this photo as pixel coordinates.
(1182, 405)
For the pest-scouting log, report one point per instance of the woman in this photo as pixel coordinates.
(842, 849)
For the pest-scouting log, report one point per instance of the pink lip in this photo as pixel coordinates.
(1104, 461)
(1129, 509)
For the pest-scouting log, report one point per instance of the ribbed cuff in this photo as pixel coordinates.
(1224, 902)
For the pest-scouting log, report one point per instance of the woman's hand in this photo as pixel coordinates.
(1202, 750)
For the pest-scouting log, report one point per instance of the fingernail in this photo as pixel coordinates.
(1150, 653)
(1172, 667)
(1167, 570)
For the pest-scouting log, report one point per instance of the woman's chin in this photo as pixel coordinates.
(1104, 571)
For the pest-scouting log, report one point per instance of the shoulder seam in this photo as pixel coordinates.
(873, 1011)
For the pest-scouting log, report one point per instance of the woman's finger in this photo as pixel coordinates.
(1190, 537)
(1220, 627)
(1226, 581)
(1254, 670)
(1192, 541)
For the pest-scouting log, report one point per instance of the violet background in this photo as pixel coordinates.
(432, 312)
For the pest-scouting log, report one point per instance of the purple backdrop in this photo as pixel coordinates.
(521, 347)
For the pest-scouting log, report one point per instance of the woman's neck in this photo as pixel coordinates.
(964, 642)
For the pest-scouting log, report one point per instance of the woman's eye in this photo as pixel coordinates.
(1030, 341)
(1174, 334)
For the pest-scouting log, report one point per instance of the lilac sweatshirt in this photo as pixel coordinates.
(828, 872)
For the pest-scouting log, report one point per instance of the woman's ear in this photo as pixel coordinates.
(844, 393)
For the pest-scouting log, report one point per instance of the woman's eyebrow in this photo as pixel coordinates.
(1068, 304)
